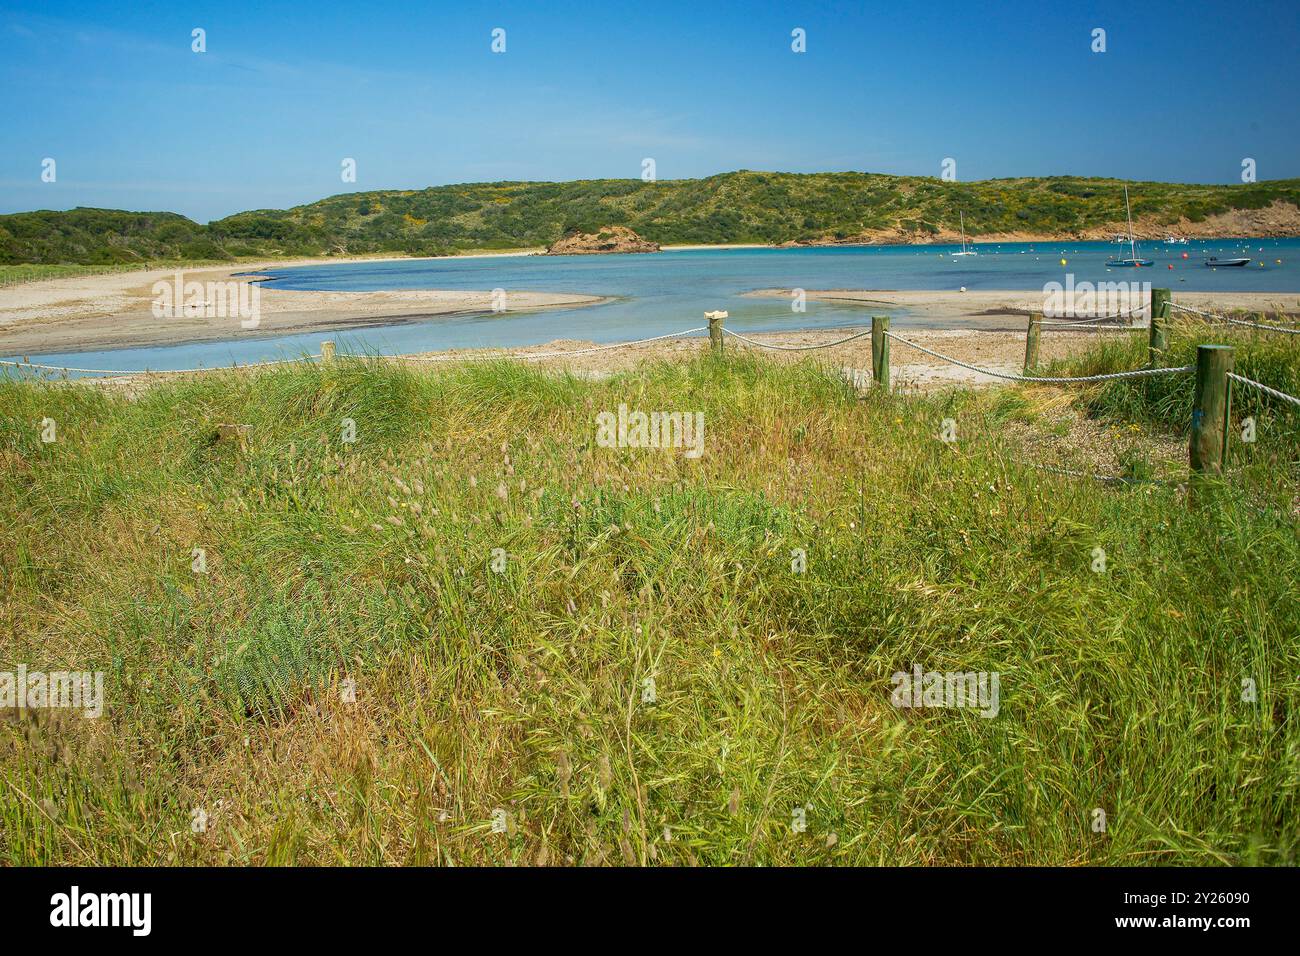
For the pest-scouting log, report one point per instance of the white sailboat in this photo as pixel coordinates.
(1132, 261)
(964, 250)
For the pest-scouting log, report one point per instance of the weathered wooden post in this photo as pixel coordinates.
(327, 352)
(880, 351)
(1156, 341)
(1208, 450)
(715, 330)
(1031, 341)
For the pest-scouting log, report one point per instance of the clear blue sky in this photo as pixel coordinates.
(135, 120)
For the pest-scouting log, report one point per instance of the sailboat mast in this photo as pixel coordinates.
(1132, 247)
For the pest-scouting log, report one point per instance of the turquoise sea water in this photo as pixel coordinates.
(670, 291)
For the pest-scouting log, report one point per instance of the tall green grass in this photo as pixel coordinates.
(1271, 463)
(17, 274)
(525, 690)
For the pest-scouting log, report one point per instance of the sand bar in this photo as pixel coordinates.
(102, 312)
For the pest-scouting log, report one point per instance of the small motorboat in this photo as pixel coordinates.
(1214, 263)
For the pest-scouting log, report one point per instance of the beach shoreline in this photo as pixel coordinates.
(111, 311)
(999, 350)
(115, 310)
(950, 305)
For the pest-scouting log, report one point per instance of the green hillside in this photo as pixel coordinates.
(729, 208)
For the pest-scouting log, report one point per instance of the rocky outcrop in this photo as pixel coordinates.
(609, 239)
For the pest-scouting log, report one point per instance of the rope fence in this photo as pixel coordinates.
(1122, 313)
(1211, 397)
(1160, 305)
(1224, 318)
(1011, 377)
(539, 355)
(794, 348)
(1264, 388)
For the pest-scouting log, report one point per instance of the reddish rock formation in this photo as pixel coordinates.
(608, 239)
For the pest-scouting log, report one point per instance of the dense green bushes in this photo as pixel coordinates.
(734, 207)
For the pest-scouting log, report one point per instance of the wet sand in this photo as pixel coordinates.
(101, 312)
(1001, 351)
(947, 305)
(910, 370)
(984, 328)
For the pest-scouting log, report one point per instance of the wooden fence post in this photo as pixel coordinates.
(715, 330)
(1031, 341)
(880, 351)
(1211, 402)
(327, 352)
(1157, 339)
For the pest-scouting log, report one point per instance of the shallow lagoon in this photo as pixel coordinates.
(667, 292)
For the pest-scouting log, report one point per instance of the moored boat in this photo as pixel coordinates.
(964, 250)
(1132, 261)
(1214, 263)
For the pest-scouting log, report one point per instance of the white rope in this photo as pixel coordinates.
(162, 371)
(1064, 326)
(1264, 388)
(1224, 318)
(794, 348)
(1136, 373)
(1101, 318)
(537, 355)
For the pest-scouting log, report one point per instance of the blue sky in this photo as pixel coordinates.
(136, 120)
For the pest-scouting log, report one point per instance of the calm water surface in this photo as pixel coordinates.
(669, 291)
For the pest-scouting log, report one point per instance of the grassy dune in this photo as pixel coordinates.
(523, 690)
(11, 275)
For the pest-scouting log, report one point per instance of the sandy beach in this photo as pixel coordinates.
(89, 313)
(1000, 351)
(101, 312)
(951, 305)
(910, 370)
(984, 327)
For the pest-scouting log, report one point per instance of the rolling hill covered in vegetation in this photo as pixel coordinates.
(737, 207)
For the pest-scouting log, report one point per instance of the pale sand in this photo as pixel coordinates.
(114, 311)
(909, 370)
(90, 313)
(999, 351)
(948, 305)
